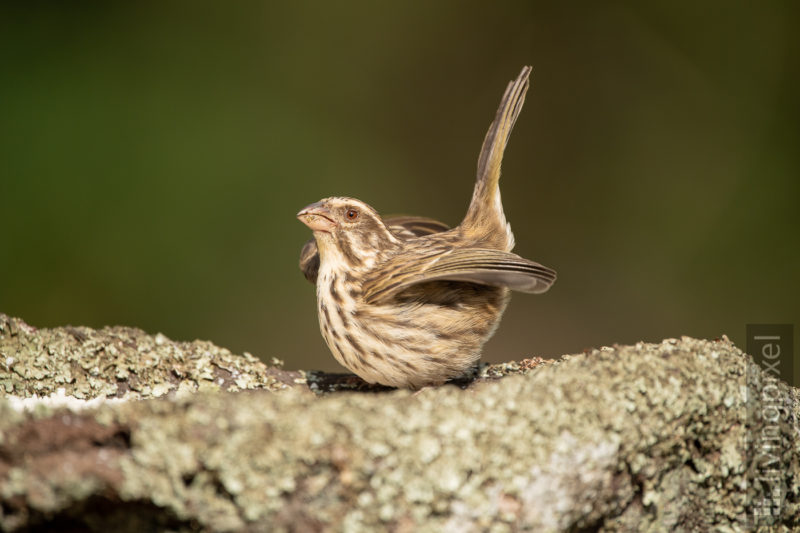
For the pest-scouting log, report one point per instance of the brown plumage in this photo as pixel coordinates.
(407, 301)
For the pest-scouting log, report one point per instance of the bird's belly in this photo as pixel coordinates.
(427, 335)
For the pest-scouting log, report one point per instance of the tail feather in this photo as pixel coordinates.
(485, 219)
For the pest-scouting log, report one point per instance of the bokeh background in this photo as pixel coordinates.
(154, 155)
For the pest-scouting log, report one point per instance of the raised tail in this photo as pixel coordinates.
(485, 220)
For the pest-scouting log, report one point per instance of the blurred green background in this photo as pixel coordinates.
(154, 155)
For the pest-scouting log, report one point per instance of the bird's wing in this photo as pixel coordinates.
(404, 227)
(409, 226)
(476, 265)
(309, 260)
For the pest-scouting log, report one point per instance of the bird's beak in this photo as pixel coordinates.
(317, 217)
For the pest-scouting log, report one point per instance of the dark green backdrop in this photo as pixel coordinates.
(153, 158)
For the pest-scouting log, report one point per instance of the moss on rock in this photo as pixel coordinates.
(120, 362)
(644, 437)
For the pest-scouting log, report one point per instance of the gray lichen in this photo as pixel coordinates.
(629, 438)
(119, 362)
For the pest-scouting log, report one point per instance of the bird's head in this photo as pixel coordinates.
(347, 229)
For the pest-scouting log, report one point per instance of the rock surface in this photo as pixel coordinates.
(187, 436)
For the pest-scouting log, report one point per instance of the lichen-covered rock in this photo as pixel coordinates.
(119, 362)
(648, 437)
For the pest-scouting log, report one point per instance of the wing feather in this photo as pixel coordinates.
(475, 265)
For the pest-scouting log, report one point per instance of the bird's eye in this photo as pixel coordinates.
(351, 214)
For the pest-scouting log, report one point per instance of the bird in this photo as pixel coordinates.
(409, 302)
